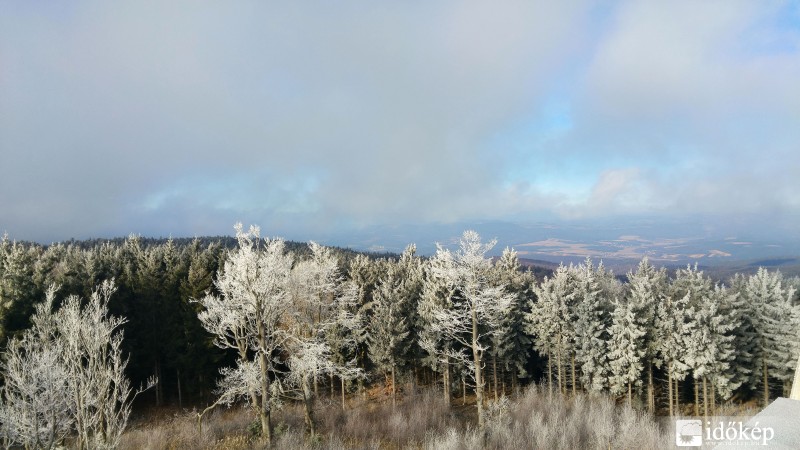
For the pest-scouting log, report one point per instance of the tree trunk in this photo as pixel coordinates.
(705, 399)
(677, 397)
(514, 379)
(180, 394)
(333, 393)
(561, 386)
(766, 381)
(308, 404)
(574, 378)
(344, 405)
(669, 389)
(464, 391)
(446, 381)
(629, 395)
(713, 399)
(264, 409)
(476, 354)
(696, 398)
(550, 374)
(494, 369)
(394, 389)
(159, 391)
(651, 399)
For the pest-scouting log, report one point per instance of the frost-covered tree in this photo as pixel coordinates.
(18, 293)
(511, 343)
(647, 291)
(313, 285)
(709, 347)
(552, 319)
(365, 274)
(388, 331)
(672, 330)
(438, 291)
(394, 315)
(343, 335)
(34, 410)
(474, 315)
(713, 347)
(627, 348)
(593, 319)
(247, 316)
(771, 317)
(66, 374)
(688, 291)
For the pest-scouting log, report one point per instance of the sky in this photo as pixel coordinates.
(342, 120)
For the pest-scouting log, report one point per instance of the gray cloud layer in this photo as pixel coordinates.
(181, 118)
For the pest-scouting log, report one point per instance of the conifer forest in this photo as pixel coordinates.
(99, 336)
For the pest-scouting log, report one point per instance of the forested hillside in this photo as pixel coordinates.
(270, 323)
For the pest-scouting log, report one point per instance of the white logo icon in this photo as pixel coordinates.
(688, 433)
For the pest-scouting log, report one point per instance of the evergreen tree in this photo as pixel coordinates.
(552, 321)
(593, 320)
(388, 330)
(627, 348)
(18, 293)
(511, 343)
(646, 294)
(438, 291)
(345, 333)
(771, 314)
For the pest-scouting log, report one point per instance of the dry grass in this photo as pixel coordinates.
(422, 420)
(223, 429)
(541, 421)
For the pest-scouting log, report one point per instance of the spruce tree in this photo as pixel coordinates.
(627, 349)
(646, 293)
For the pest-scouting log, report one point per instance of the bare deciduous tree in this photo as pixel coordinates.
(475, 314)
(66, 374)
(246, 317)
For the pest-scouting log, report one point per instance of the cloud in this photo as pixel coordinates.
(185, 117)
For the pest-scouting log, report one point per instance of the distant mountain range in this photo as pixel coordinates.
(620, 247)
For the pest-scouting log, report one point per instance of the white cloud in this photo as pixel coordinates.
(181, 118)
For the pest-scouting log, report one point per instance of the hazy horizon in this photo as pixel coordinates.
(611, 128)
